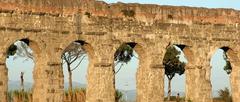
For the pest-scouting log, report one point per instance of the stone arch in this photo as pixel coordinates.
(231, 51)
(37, 53)
(185, 50)
(190, 91)
(234, 76)
(232, 55)
(35, 47)
(31, 43)
(139, 48)
(233, 58)
(86, 45)
(188, 54)
(89, 49)
(90, 55)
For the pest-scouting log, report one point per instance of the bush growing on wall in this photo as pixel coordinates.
(128, 13)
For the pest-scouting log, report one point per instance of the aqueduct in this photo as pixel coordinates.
(51, 25)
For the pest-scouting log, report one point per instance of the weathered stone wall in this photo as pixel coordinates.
(52, 25)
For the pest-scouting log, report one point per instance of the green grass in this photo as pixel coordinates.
(17, 95)
(78, 95)
(173, 98)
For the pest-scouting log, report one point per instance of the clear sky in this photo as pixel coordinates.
(194, 3)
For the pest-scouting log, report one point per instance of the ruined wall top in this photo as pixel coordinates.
(142, 12)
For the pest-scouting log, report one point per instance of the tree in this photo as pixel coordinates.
(70, 56)
(118, 96)
(123, 55)
(20, 49)
(172, 65)
(227, 67)
(225, 95)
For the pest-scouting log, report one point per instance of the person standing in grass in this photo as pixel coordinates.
(178, 98)
(22, 81)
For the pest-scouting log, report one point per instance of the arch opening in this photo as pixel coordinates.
(20, 62)
(220, 75)
(174, 64)
(126, 63)
(75, 61)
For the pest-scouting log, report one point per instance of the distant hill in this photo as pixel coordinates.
(130, 95)
(174, 93)
(15, 85)
(75, 85)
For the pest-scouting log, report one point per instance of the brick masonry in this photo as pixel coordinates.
(51, 25)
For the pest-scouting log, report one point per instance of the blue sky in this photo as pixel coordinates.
(193, 3)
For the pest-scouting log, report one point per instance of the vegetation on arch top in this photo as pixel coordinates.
(140, 12)
(20, 49)
(123, 54)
